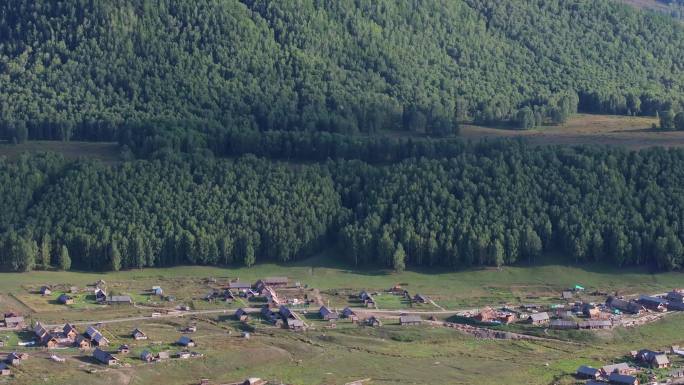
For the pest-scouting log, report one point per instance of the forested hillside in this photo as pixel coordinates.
(485, 204)
(182, 73)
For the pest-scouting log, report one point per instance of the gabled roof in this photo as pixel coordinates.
(3, 366)
(325, 311)
(14, 320)
(587, 371)
(64, 298)
(137, 332)
(69, 328)
(145, 355)
(295, 323)
(275, 280)
(608, 369)
(103, 356)
(652, 300)
(100, 339)
(240, 285)
(347, 312)
(185, 340)
(537, 317)
(410, 319)
(240, 312)
(621, 379)
(91, 332)
(120, 298)
(661, 359)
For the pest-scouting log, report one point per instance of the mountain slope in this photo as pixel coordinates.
(97, 70)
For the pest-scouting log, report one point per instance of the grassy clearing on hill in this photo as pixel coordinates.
(586, 129)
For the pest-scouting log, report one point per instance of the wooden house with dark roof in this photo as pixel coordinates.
(653, 303)
(99, 340)
(45, 290)
(419, 298)
(373, 321)
(241, 315)
(100, 295)
(138, 335)
(328, 314)
(349, 314)
(588, 372)
(622, 379)
(69, 331)
(186, 341)
(630, 307)
(65, 299)
(104, 357)
(4, 369)
(146, 356)
(82, 342)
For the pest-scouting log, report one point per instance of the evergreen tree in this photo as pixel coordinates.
(399, 258)
(64, 259)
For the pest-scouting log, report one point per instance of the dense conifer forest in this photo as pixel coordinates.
(486, 204)
(183, 73)
(256, 130)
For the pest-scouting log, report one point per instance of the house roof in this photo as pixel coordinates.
(68, 328)
(539, 316)
(661, 359)
(608, 369)
(100, 339)
(137, 331)
(239, 312)
(325, 311)
(621, 379)
(80, 338)
(347, 312)
(652, 300)
(295, 323)
(14, 320)
(421, 297)
(119, 298)
(64, 298)
(185, 340)
(3, 366)
(91, 331)
(103, 356)
(596, 323)
(410, 319)
(587, 371)
(563, 324)
(240, 285)
(276, 280)
(145, 354)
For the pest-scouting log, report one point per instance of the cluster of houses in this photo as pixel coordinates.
(622, 373)
(672, 301)
(69, 336)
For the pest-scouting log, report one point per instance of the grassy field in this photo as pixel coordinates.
(106, 152)
(629, 132)
(388, 355)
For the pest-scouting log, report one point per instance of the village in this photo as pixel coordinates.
(277, 303)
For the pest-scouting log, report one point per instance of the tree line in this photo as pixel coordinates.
(494, 204)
